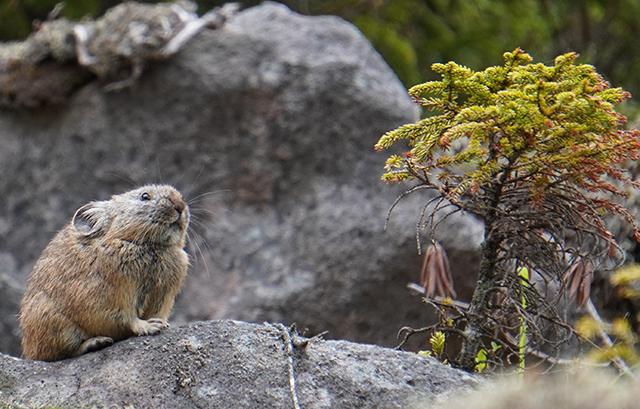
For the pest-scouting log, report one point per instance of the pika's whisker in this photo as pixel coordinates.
(208, 212)
(206, 194)
(197, 250)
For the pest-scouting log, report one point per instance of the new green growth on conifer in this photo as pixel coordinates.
(535, 151)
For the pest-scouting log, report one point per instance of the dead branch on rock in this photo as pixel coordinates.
(291, 340)
(285, 335)
(62, 55)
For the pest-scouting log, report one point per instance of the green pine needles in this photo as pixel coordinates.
(548, 119)
(537, 152)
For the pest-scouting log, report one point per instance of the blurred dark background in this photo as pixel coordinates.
(412, 34)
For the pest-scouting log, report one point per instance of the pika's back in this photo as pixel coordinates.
(111, 273)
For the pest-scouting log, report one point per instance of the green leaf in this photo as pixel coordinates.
(481, 360)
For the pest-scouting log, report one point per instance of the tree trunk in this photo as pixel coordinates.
(479, 302)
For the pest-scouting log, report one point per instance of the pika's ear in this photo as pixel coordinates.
(90, 220)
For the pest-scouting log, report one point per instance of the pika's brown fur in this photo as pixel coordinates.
(113, 272)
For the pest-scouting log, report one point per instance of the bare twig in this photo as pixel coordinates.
(193, 25)
(399, 199)
(407, 332)
(291, 340)
(303, 342)
(443, 301)
(285, 335)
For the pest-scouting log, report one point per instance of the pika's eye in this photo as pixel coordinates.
(145, 197)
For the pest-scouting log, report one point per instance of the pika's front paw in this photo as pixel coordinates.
(151, 326)
(93, 344)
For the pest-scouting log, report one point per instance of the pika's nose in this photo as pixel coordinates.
(178, 205)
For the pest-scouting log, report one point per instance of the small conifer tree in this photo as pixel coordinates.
(537, 153)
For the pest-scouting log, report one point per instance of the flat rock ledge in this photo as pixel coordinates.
(223, 364)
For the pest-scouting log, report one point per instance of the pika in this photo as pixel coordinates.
(113, 272)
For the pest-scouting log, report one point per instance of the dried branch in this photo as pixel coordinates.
(61, 55)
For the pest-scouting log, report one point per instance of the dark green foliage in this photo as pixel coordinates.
(411, 34)
(603, 32)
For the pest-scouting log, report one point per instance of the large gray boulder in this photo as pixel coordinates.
(278, 113)
(224, 364)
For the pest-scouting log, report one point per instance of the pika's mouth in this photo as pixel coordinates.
(179, 223)
(176, 221)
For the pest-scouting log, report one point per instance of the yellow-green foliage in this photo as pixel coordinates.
(625, 340)
(542, 121)
(437, 342)
(625, 278)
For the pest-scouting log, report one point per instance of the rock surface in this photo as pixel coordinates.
(222, 364)
(276, 114)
